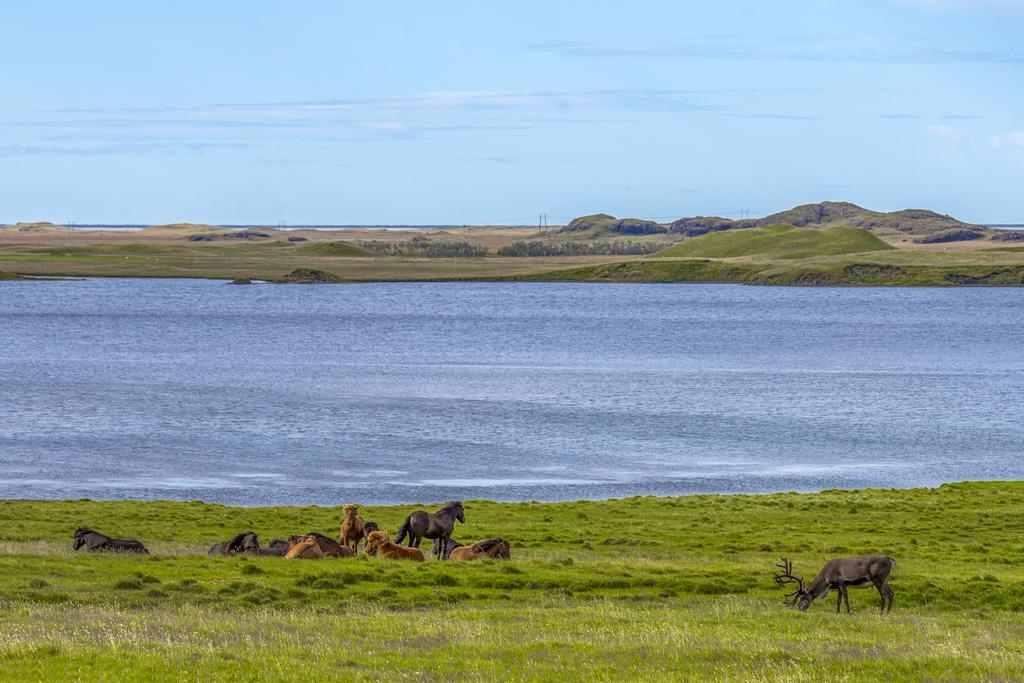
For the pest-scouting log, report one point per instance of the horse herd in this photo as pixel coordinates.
(437, 526)
(838, 574)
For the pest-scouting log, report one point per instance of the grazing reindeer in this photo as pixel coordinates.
(841, 573)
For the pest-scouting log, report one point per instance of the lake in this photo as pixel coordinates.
(417, 392)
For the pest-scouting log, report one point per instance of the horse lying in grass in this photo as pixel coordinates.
(277, 548)
(316, 546)
(95, 542)
(352, 529)
(497, 548)
(379, 543)
(245, 542)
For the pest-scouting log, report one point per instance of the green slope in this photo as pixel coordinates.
(779, 242)
(333, 249)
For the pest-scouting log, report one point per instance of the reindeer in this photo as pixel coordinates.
(840, 573)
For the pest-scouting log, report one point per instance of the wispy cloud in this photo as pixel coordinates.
(946, 132)
(822, 48)
(22, 150)
(1008, 141)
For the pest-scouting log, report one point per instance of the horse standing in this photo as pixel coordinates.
(352, 529)
(437, 525)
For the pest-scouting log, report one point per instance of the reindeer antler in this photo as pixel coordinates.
(787, 577)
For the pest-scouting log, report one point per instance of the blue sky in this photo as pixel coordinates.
(469, 112)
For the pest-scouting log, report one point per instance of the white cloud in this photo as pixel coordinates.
(1008, 141)
(946, 132)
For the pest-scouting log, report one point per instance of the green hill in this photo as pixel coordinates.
(917, 222)
(779, 242)
(333, 249)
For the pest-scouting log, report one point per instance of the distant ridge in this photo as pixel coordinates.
(924, 225)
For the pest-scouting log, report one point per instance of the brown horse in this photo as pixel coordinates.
(324, 547)
(497, 548)
(352, 529)
(304, 548)
(378, 543)
(438, 525)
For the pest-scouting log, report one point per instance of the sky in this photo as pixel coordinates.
(409, 112)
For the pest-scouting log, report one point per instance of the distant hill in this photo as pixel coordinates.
(779, 242)
(914, 223)
(602, 222)
(33, 227)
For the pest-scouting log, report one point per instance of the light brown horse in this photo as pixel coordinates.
(352, 529)
(304, 548)
(497, 548)
(315, 546)
(379, 543)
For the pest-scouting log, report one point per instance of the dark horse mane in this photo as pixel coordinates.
(450, 505)
(486, 544)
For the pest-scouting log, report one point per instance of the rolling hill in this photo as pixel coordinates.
(779, 242)
(920, 224)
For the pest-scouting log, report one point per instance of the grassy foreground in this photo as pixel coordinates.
(642, 588)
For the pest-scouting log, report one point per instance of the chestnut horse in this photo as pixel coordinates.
(379, 543)
(352, 529)
(315, 546)
(497, 548)
(438, 525)
(304, 548)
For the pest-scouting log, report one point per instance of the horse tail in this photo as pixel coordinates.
(403, 530)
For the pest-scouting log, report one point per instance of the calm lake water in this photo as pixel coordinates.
(187, 389)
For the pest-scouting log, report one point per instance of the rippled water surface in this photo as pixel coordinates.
(189, 389)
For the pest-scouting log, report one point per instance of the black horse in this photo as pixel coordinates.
(277, 548)
(438, 525)
(244, 542)
(451, 545)
(95, 542)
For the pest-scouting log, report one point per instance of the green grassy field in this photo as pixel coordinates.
(779, 242)
(641, 588)
(777, 255)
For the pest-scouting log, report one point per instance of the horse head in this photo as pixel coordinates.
(250, 542)
(454, 508)
(350, 509)
(375, 540)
